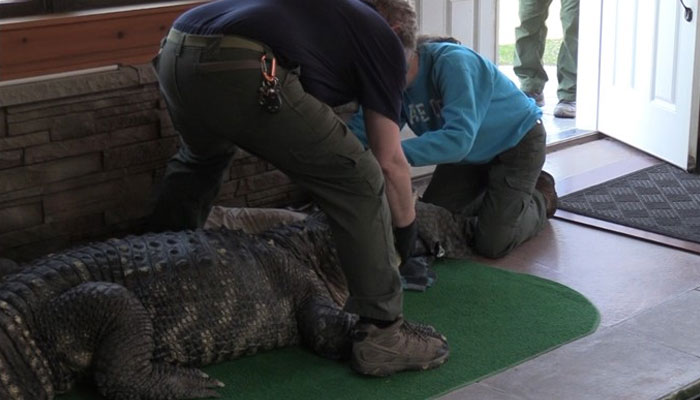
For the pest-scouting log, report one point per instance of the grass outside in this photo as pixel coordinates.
(506, 52)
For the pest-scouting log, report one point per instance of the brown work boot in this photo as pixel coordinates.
(545, 185)
(400, 346)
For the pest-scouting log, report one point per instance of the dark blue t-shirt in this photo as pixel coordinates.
(345, 49)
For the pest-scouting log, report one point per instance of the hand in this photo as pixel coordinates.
(405, 240)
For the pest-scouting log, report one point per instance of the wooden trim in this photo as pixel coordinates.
(58, 43)
(628, 231)
(578, 137)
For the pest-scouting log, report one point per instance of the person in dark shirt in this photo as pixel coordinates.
(263, 75)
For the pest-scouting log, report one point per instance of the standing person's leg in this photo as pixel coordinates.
(193, 175)
(512, 210)
(319, 152)
(567, 63)
(188, 188)
(530, 38)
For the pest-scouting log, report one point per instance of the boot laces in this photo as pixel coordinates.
(415, 330)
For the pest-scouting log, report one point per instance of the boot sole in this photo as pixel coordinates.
(386, 369)
(555, 200)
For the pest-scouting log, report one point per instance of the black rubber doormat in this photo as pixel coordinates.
(662, 199)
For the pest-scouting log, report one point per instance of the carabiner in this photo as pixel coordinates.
(263, 66)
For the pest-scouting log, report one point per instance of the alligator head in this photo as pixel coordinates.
(441, 233)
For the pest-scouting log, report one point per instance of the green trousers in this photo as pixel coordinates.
(212, 97)
(499, 199)
(530, 39)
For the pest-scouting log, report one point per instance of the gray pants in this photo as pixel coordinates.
(213, 103)
(499, 198)
(530, 39)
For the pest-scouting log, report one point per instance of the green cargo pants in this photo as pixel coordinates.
(499, 199)
(530, 39)
(212, 96)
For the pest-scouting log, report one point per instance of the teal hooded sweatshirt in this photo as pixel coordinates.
(461, 108)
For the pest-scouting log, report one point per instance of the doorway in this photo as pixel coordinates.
(558, 129)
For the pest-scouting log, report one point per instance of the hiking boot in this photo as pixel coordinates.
(398, 347)
(425, 329)
(565, 109)
(545, 185)
(537, 96)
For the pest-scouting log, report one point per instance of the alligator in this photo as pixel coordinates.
(139, 315)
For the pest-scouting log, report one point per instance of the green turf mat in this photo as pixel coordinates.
(492, 318)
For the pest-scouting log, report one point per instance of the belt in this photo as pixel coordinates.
(222, 41)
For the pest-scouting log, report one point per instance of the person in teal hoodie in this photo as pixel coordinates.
(486, 139)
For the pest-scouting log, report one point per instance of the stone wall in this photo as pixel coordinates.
(79, 156)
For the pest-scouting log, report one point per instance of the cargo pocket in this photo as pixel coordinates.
(357, 173)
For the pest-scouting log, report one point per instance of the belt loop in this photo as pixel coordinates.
(180, 44)
(214, 46)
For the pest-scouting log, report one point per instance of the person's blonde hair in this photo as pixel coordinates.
(401, 16)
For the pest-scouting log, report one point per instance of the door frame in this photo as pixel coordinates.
(469, 21)
(589, 47)
(695, 105)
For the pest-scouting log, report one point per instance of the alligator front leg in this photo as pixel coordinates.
(102, 329)
(325, 328)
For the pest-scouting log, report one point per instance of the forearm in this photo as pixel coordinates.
(385, 141)
(399, 192)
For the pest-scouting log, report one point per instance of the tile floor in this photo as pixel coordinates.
(647, 346)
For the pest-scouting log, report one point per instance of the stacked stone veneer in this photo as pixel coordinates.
(79, 156)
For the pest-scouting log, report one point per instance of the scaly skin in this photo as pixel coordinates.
(441, 233)
(137, 315)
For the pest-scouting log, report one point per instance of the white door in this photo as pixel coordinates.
(473, 22)
(648, 92)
